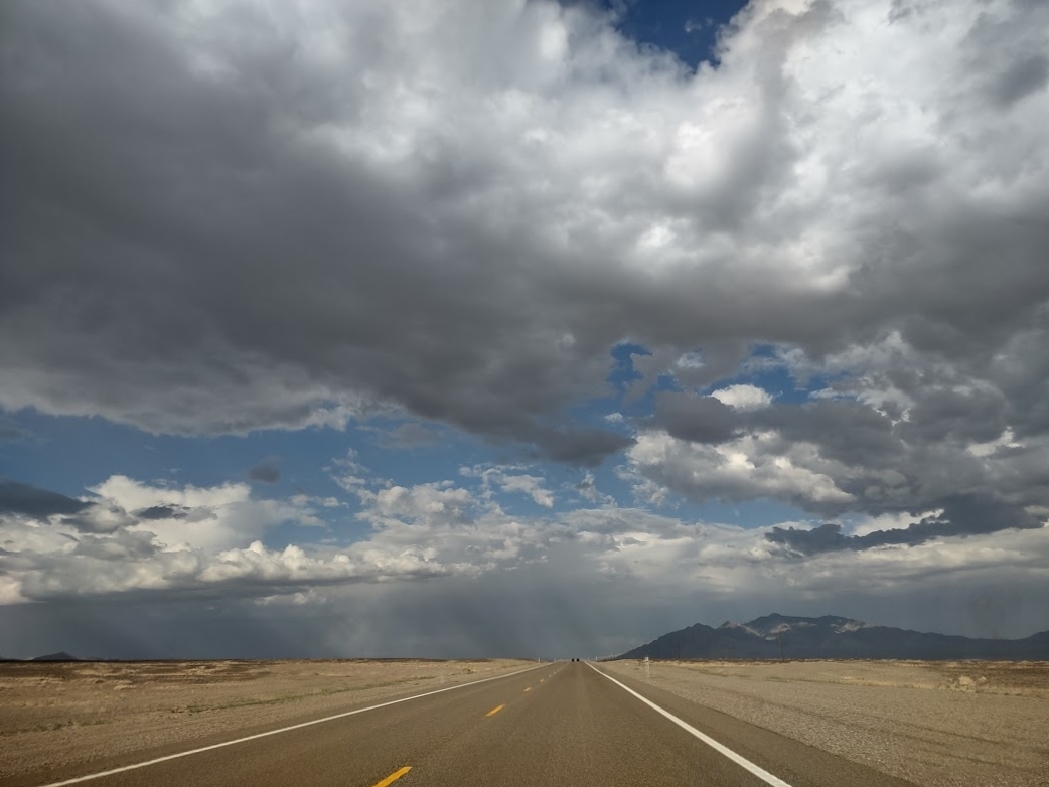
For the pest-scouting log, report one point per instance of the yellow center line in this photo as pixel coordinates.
(542, 679)
(529, 688)
(492, 712)
(394, 776)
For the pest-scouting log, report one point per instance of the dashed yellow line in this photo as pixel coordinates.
(492, 712)
(529, 688)
(394, 777)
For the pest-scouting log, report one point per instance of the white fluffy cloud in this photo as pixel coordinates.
(442, 535)
(755, 466)
(510, 479)
(743, 396)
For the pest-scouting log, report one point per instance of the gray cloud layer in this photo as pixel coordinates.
(960, 515)
(19, 498)
(241, 237)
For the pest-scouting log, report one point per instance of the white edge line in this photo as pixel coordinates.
(123, 768)
(740, 760)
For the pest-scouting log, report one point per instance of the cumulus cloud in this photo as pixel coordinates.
(587, 490)
(808, 191)
(606, 560)
(754, 466)
(509, 479)
(743, 396)
(192, 539)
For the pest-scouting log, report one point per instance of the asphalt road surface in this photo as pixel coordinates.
(557, 724)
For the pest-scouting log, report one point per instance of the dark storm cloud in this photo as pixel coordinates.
(163, 512)
(1022, 68)
(962, 515)
(849, 432)
(288, 248)
(85, 515)
(698, 419)
(267, 472)
(19, 498)
(823, 538)
(586, 447)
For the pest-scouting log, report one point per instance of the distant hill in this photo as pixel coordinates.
(60, 656)
(830, 637)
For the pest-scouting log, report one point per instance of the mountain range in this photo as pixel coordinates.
(831, 637)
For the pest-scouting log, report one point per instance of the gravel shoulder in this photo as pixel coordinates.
(61, 714)
(937, 724)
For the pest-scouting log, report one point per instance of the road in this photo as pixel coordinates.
(557, 724)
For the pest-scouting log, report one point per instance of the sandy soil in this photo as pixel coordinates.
(937, 724)
(58, 714)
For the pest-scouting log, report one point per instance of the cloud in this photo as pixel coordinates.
(587, 490)
(209, 518)
(506, 480)
(192, 539)
(831, 456)
(743, 396)
(598, 575)
(694, 418)
(410, 435)
(547, 188)
(267, 472)
(754, 466)
(19, 498)
(240, 238)
(960, 515)
(163, 512)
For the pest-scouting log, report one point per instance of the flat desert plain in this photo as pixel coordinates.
(58, 714)
(937, 724)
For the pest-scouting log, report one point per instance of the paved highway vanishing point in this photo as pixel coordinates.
(565, 723)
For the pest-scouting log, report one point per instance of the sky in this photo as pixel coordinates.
(473, 328)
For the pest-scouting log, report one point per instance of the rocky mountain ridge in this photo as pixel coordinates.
(830, 636)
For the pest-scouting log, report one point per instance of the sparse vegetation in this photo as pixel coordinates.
(61, 713)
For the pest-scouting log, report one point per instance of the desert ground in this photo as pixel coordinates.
(937, 724)
(55, 714)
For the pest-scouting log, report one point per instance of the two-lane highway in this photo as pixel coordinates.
(558, 724)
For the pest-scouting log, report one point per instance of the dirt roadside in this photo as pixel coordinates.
(61, 714)
(937, 724)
